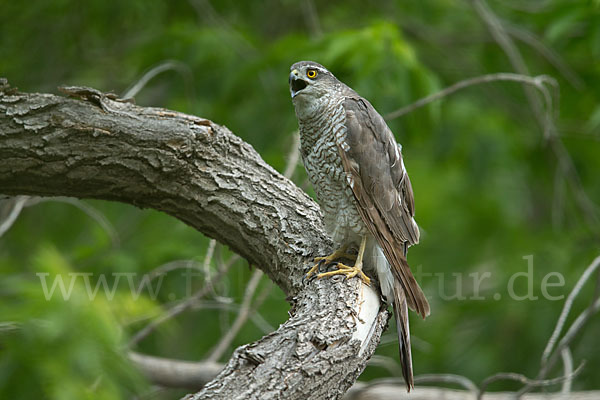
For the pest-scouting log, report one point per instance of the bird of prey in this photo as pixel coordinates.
(357, 171)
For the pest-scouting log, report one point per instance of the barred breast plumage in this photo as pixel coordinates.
(320, 134)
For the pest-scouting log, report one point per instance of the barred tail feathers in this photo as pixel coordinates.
(394, 294)
(401, 315)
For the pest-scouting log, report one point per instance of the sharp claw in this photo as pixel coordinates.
(348, 272)
(342, 269)
(311, 271)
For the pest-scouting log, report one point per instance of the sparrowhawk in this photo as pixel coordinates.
(357, 171)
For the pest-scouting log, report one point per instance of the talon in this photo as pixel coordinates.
(349, 272)
(343, 269)
(339, 253)
(311, 271)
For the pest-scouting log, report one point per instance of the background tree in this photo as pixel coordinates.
(499, 173)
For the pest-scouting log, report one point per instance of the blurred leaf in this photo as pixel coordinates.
(66, 345)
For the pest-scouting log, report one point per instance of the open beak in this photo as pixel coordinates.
(296, 83)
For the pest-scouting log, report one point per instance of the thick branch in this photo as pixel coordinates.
(175, 373)
(188, 167)
(314, 354)
(99, 147)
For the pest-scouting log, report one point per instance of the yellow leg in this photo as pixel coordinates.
(339, 253)
(351, 272)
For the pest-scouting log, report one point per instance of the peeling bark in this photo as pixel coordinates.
(97, 146)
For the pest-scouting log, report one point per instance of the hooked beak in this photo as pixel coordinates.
(296, 83)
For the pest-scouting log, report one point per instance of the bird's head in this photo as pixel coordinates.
(310, 81)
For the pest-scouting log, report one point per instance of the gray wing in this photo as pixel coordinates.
(375, 170)
(382, 171)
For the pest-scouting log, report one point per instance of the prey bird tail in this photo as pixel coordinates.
(414, 296)
(401, 315)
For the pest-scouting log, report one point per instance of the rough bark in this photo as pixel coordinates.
(97, 146)
(188, 167)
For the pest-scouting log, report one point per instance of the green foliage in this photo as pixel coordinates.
(486, 183)
(60, 347)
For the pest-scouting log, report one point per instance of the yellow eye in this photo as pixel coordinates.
(311, 73)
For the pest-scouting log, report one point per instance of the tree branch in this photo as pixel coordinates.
(175, 373)
(241, 318)
(188, 167)
(97, 146)
(538, 82)
(179, 374)
(542, 112)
